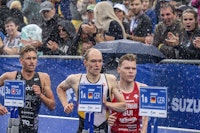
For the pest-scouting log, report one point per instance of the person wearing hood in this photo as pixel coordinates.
(66, 32)
(107, 26)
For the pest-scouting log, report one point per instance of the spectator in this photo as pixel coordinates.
(189, 44)
(4, 13)
(130, 88)
(78, 41)
(82, 8)
(49, 26)
(169, 24)
(85, 46)
(150, 12)
(141, 25)
(157, 5)
(66, 32)
(65, 9)
(15, 12)
(196, 3)
(126, 3)
(90, 14)
(76, 15)
(107, 26)
(31, 35)
(180, 9)
(121, 11)
(30, 10)
(10, 44)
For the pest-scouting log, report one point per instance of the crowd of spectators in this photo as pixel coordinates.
(70, 27)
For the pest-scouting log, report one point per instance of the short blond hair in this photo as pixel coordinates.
(128, 57)
(16, 4)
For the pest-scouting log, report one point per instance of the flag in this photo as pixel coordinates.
(153, 99)
(90, 95)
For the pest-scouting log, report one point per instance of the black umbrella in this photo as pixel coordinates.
(127, 46)
(112, 50)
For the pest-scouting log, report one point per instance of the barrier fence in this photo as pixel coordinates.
(182, 80)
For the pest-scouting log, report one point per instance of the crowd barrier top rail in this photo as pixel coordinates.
(46, 56)
(180, 61)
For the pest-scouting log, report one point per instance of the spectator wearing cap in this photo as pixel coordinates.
(49, 26)
(30, 10)
(150, 12)
(90, 13)
(196, 4)
(83, 38)
(121, 11)
(141, 26)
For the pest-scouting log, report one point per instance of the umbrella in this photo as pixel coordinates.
(112, 50)
(128, 46)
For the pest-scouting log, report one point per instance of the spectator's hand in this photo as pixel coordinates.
(52, 45)
(173, 40)
(68, 108)
(3, 110)
(149, 39)
(111, 119)
(196, 42)
(89, 28)
(34, 43)
(37, 90)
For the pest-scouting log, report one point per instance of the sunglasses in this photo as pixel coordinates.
(63, 30)
(45, 11)
(117, 10)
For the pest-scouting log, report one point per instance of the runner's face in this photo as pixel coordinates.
(94, 63)
(29, 61)
(127, 71)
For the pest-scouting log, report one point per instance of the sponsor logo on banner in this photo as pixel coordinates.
(186, 105)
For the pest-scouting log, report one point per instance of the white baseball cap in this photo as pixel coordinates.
(121, 7)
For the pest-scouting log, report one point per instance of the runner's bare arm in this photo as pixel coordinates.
(70, 82)
(47, 96)
(119, 106)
